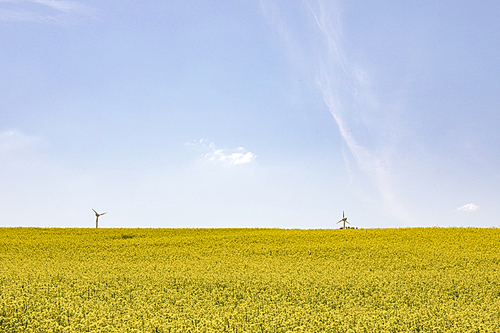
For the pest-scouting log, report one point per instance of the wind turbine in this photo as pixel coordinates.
(97, 217)
(344, 220)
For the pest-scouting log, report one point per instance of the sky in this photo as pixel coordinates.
(268, 114)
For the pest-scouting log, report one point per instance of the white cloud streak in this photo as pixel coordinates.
(64, 6)
(347, 93)
(13, 140)
(468, 208)
(44, 11)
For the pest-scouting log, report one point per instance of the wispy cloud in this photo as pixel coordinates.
(44, 11)
(220, 155)
(65, 6)
(13, 140)
(468, 208)
(348, 94)
(223, 156)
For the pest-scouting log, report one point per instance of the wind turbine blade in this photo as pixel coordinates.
(94, 210)
(103, 213)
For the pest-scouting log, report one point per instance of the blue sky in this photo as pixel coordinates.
(275, 114)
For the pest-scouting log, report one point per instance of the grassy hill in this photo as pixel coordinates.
(249, 280)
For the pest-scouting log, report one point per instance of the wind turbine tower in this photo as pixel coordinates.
(97, 217)
(343, 220)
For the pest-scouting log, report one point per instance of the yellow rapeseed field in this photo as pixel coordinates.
(249, 280)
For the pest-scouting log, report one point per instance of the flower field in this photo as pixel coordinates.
(249, 280)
